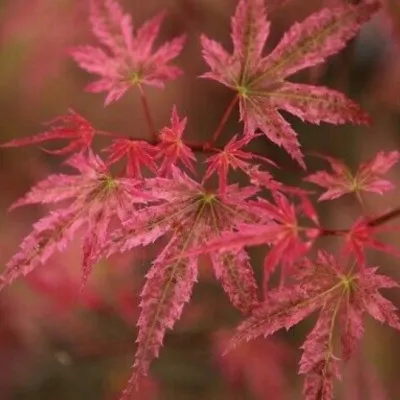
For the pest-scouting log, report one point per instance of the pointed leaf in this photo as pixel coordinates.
(237, 278)
(168, 287)
(134, 60)
(69, 127)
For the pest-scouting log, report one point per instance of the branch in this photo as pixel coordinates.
(372, 223)
(384, 218)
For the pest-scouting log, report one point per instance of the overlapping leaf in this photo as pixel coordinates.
(189, 216)
(71, 127)
(277, 227)
(138, 154)
(171, 149)
(260, 81)
(96, 199)
(232, 156)
(361, 237)
(343, 295)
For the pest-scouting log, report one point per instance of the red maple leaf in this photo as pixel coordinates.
(389, 17)
(232, 156)
(189, 216)
(260, 81)
(138, 153)
(368, 177)
(96, 198)
(131, 59)
(361, 236)
(278, 227)
(71, 127)
(171, 148)
(342, 296)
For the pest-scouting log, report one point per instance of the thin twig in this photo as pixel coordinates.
(222, 122)
(147, 113)
(372, 223)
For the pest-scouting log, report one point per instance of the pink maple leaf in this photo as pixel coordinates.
(131, 59)
(278, 227)
(171, 148)
(96, 198)
(368, 177)
(232, 156)
(137, 152)
(361, 236)
(189, 216)
(263, 178)
(71, 127)
(342, 296)
(389, 17)
(260, 81)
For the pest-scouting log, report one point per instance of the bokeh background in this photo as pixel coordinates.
(58, 344)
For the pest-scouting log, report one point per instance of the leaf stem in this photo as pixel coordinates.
(361, 202)
(222, 122)
(147, 113)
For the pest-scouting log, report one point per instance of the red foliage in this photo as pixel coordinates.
(139, 154)
(367, 179)
(133, 60)
(96, 197)
(342, 296)
(260, 81)
(71, 127)
(172, 149)
(116, 214)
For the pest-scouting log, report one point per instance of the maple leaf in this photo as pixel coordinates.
(343, 296)
(131, 59)
(189, 216)
(368, 177)
(278, 227)
(390, 15)
(168, 287)
(260, 81)
(171, 147)
(233, 156)
(317, 362)
(138, 153)
(96, 199)
(68, 127)
(262, 178)
(265, 179)
(361, 236)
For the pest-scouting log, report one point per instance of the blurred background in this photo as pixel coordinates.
(57, 344)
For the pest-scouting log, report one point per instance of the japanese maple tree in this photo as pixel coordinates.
(159, 195)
